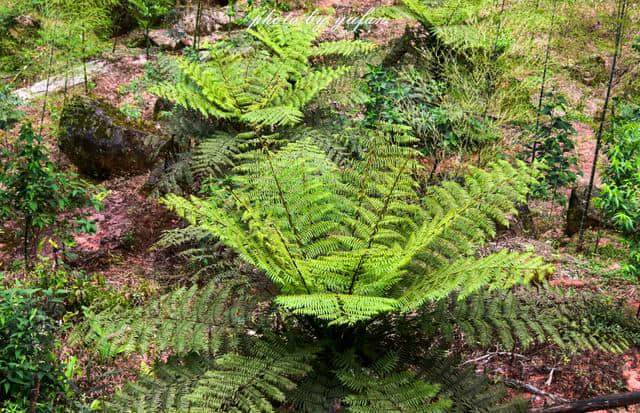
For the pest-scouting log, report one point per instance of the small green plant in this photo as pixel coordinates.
(33, 192)
(129, 240)
(130, 111)
(78, 289)
(9, 112)
(555, 149)
(31, 377)
(384, 92)
(105, 347)
(620, 194)
(148, 11)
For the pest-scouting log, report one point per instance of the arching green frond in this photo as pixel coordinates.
(205, 320)
(250, 383)
(381, 388)
(469, 392)
(229, 383)
(337, 308)
(571, 320)
(215, 156)
(343, 48)
(165, 390)
(501, 270)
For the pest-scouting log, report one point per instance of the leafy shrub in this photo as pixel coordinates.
(555, 148)
(385, 92)
(620, 193)
(33, 193)
(30, 375)
(9, 113)
(77, 289)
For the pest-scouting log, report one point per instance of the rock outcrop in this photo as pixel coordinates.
(169, 40)
(102, 142)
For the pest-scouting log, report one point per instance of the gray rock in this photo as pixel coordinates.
(75, 76)
(26, 20)
(169, 39)
(102, 142)
(212, 20)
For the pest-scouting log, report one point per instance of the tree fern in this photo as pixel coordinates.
(346, 250)
(361, 263)
(267, 86)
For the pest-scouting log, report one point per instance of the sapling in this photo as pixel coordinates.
(146, 12)
(544, 77)
(33, 193)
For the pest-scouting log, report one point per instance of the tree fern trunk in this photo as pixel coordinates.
(621, 13)
(544, 79)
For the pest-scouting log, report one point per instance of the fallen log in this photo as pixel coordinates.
(589, 405)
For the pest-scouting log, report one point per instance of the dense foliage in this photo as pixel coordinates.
(31, 377)
(620, 196)
(33, 193)
(336, 212)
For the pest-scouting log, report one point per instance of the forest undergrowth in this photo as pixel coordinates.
(394, 206)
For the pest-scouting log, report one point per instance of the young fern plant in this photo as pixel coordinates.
(250, 91)
(455, 24)
(265, 86)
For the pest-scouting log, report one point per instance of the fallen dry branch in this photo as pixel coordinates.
(589, 405)
(534, 390)
(489, 356)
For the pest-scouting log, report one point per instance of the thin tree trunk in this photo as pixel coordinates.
(544, 79)
(84, 63)
(196, 34)
(621, 14)
(46, 89)
(147, 41)
(25, 246)
(433, 170)
(489, 83)
(66, 76)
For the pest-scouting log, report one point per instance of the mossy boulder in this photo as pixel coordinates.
(102, 142)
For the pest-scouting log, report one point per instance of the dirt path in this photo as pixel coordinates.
(585, 150)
